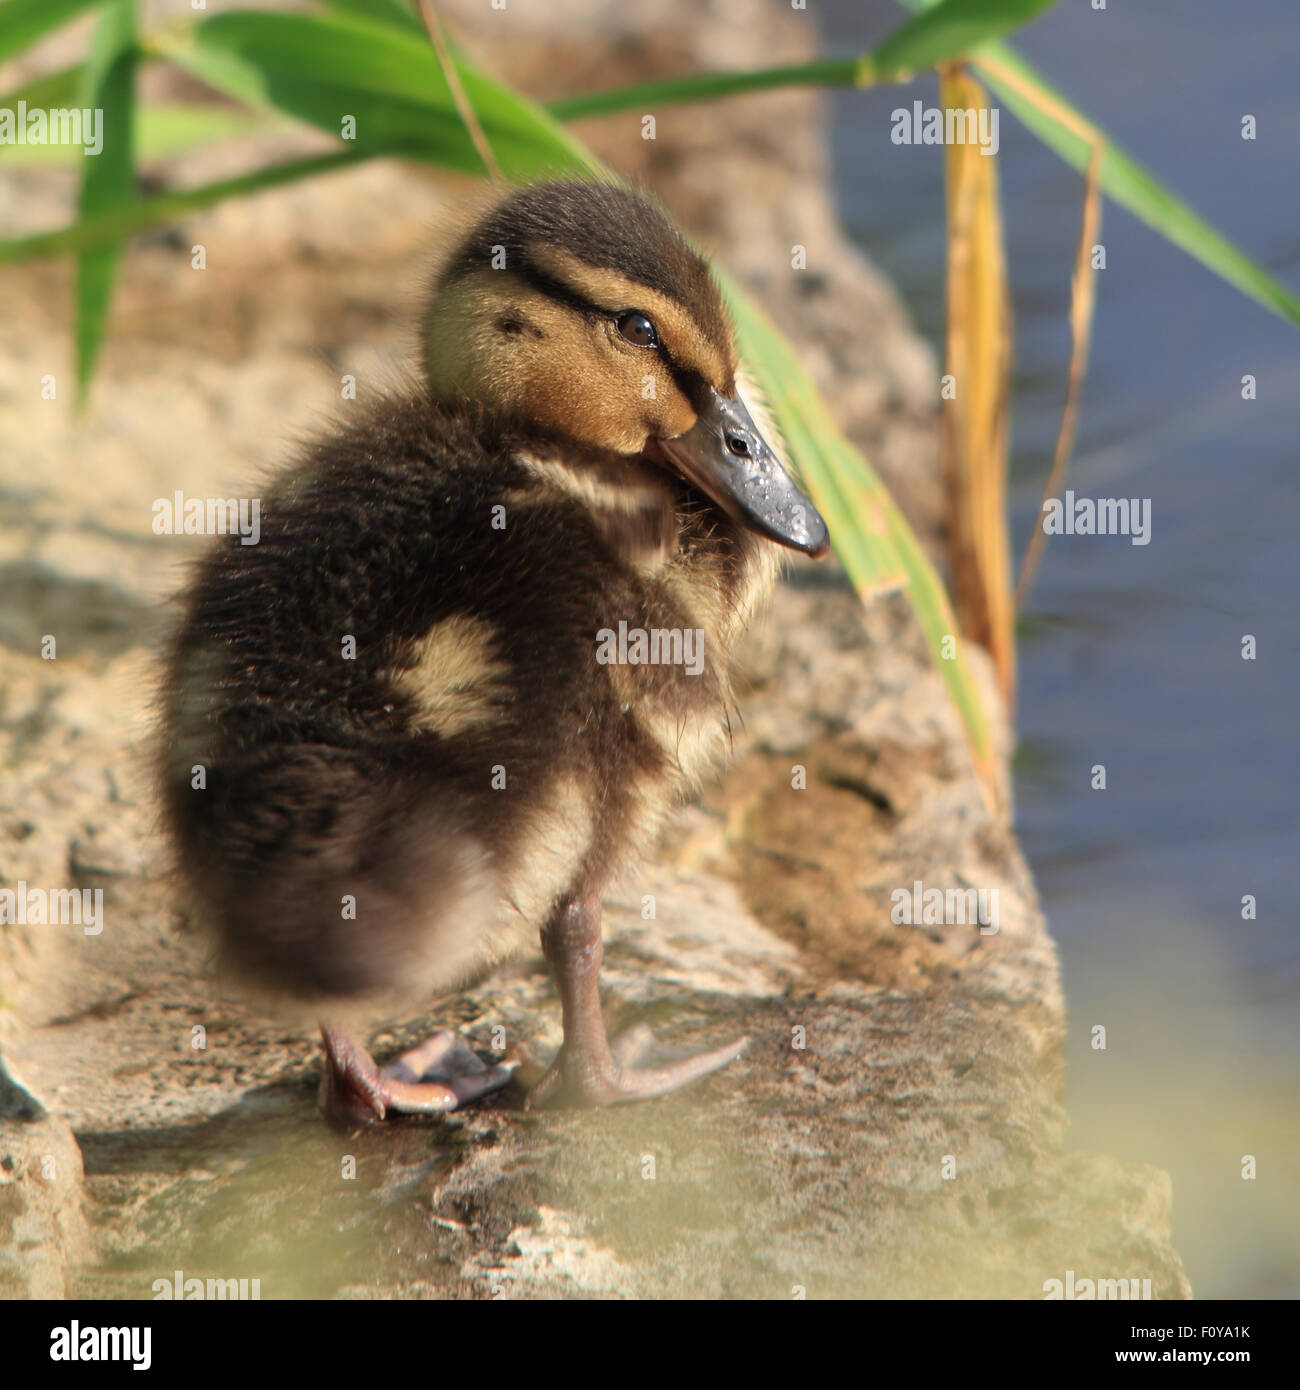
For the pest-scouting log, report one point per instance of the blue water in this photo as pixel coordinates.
(1131, 655)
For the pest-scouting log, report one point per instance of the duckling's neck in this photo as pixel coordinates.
(663, 529)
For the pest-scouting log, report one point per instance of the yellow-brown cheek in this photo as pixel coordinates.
(672, 413)
(610, 398)
(572, 390)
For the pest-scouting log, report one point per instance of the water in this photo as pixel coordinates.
(1131, 655)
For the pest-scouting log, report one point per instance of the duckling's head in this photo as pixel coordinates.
(579, 308)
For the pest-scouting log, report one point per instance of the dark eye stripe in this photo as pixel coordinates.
(557, 290)
(689, 382)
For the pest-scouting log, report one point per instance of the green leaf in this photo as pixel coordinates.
(946, 31)
(108, 179)
(869, 533)
(22, 22)
(164, 130)
(1123, 179)
(706, 86)
(54, 89)
(1058, 125)
(324, 68)
(1127, 182)
(823, 458)
(115, 223)
(170, 128)
(398, 13)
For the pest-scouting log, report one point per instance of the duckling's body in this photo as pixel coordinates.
(418, 747)
(473, 719)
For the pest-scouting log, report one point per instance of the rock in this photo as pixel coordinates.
(896, 1127)
(43, 1232)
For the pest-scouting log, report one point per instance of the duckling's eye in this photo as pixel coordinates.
(638, 330)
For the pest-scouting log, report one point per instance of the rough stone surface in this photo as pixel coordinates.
(43, 1230)
(880, 1053)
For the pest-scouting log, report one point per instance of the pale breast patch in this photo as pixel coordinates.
(454, 676)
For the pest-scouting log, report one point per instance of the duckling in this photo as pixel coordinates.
(484, 645)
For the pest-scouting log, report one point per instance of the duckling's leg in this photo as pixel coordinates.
(588, 1071)
(441, 1074)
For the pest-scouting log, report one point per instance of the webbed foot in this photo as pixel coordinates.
(619, 1075)
(441, 1074)
(588, 1071)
